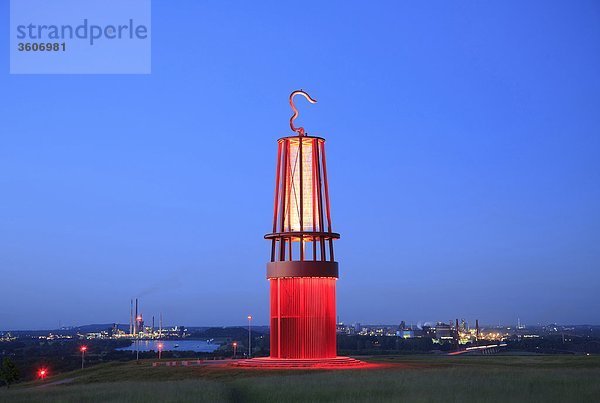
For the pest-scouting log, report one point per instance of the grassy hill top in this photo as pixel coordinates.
(411, 378)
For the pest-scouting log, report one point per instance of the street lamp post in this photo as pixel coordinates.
(249, 336)
(234, 349)
(160, 347)
(83, 350)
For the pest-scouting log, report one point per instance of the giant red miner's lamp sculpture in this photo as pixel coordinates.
(302, 271)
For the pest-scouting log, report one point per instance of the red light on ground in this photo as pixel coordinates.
(42, 373)
(160, 346)
(83, 348)
(341, 363)
(234, 344)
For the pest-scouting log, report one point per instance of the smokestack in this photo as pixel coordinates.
(152, 324)
(160, 326)
(477, 329)
(131, 317)
(135, 325)
(457, 335)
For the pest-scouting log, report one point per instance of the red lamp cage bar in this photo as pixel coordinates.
(302, 271)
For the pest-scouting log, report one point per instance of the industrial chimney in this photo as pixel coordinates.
(135, 322)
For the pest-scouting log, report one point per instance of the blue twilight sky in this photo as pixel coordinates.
(463, 152)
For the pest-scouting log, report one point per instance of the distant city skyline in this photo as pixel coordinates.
(170, 330)
(408, 323)
(462, 151)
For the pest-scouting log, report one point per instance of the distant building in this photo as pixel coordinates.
(406, 334)
(444, 332)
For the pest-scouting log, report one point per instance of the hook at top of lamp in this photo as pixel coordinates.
(299, 130)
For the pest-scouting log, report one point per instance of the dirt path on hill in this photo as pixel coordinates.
(62, 381)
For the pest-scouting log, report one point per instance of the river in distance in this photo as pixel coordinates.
(172, 345)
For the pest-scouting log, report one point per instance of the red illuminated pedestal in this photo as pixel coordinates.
(303, 317)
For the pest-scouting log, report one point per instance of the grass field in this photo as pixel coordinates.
(407, 378)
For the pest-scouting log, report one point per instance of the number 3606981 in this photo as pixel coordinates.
(41, 47)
